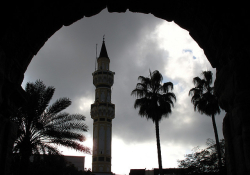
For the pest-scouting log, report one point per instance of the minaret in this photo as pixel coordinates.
(102, 113)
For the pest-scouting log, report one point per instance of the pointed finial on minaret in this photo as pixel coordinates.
(103, 52)
(95, 56)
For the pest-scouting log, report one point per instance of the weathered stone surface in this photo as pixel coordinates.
(229, 149)
(221, 30)
(8, 132)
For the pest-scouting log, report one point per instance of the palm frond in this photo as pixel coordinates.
(193, 91)
(63, 135)
(50, 149)
(198, 83)
(156, 77)
(167, 87)
(169, 98)
(44, 99)
(144, 80)
(208, 77)
(73, 145)
(64, 118)
(71, 126)
(58, 106)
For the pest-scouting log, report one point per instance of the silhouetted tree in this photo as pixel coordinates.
(42, 127)
(203, 160)
(205, 101)
(154, 101)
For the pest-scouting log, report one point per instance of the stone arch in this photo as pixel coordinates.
(28, 26)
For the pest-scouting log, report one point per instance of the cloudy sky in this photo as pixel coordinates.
(135, 43)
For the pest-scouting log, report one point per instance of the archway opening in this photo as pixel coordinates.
(135, 44)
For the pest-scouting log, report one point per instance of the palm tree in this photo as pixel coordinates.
(41, 128)
(155, 101)
(205, 101)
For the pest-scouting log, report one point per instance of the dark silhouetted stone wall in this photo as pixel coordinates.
(221, 30)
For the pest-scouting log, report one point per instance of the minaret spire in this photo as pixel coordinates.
(103, 52)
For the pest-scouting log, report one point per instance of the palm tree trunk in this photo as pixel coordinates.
(24, 164)
(158, 146)
(217, 142)
(26, 152)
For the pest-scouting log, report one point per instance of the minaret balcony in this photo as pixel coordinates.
(102, 110)
(103, 77)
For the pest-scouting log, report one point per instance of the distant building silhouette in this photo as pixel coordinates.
(137, 172)
(102, 113)
(155, 171)
(77, 161)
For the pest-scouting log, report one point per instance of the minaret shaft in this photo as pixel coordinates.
(102, 113)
